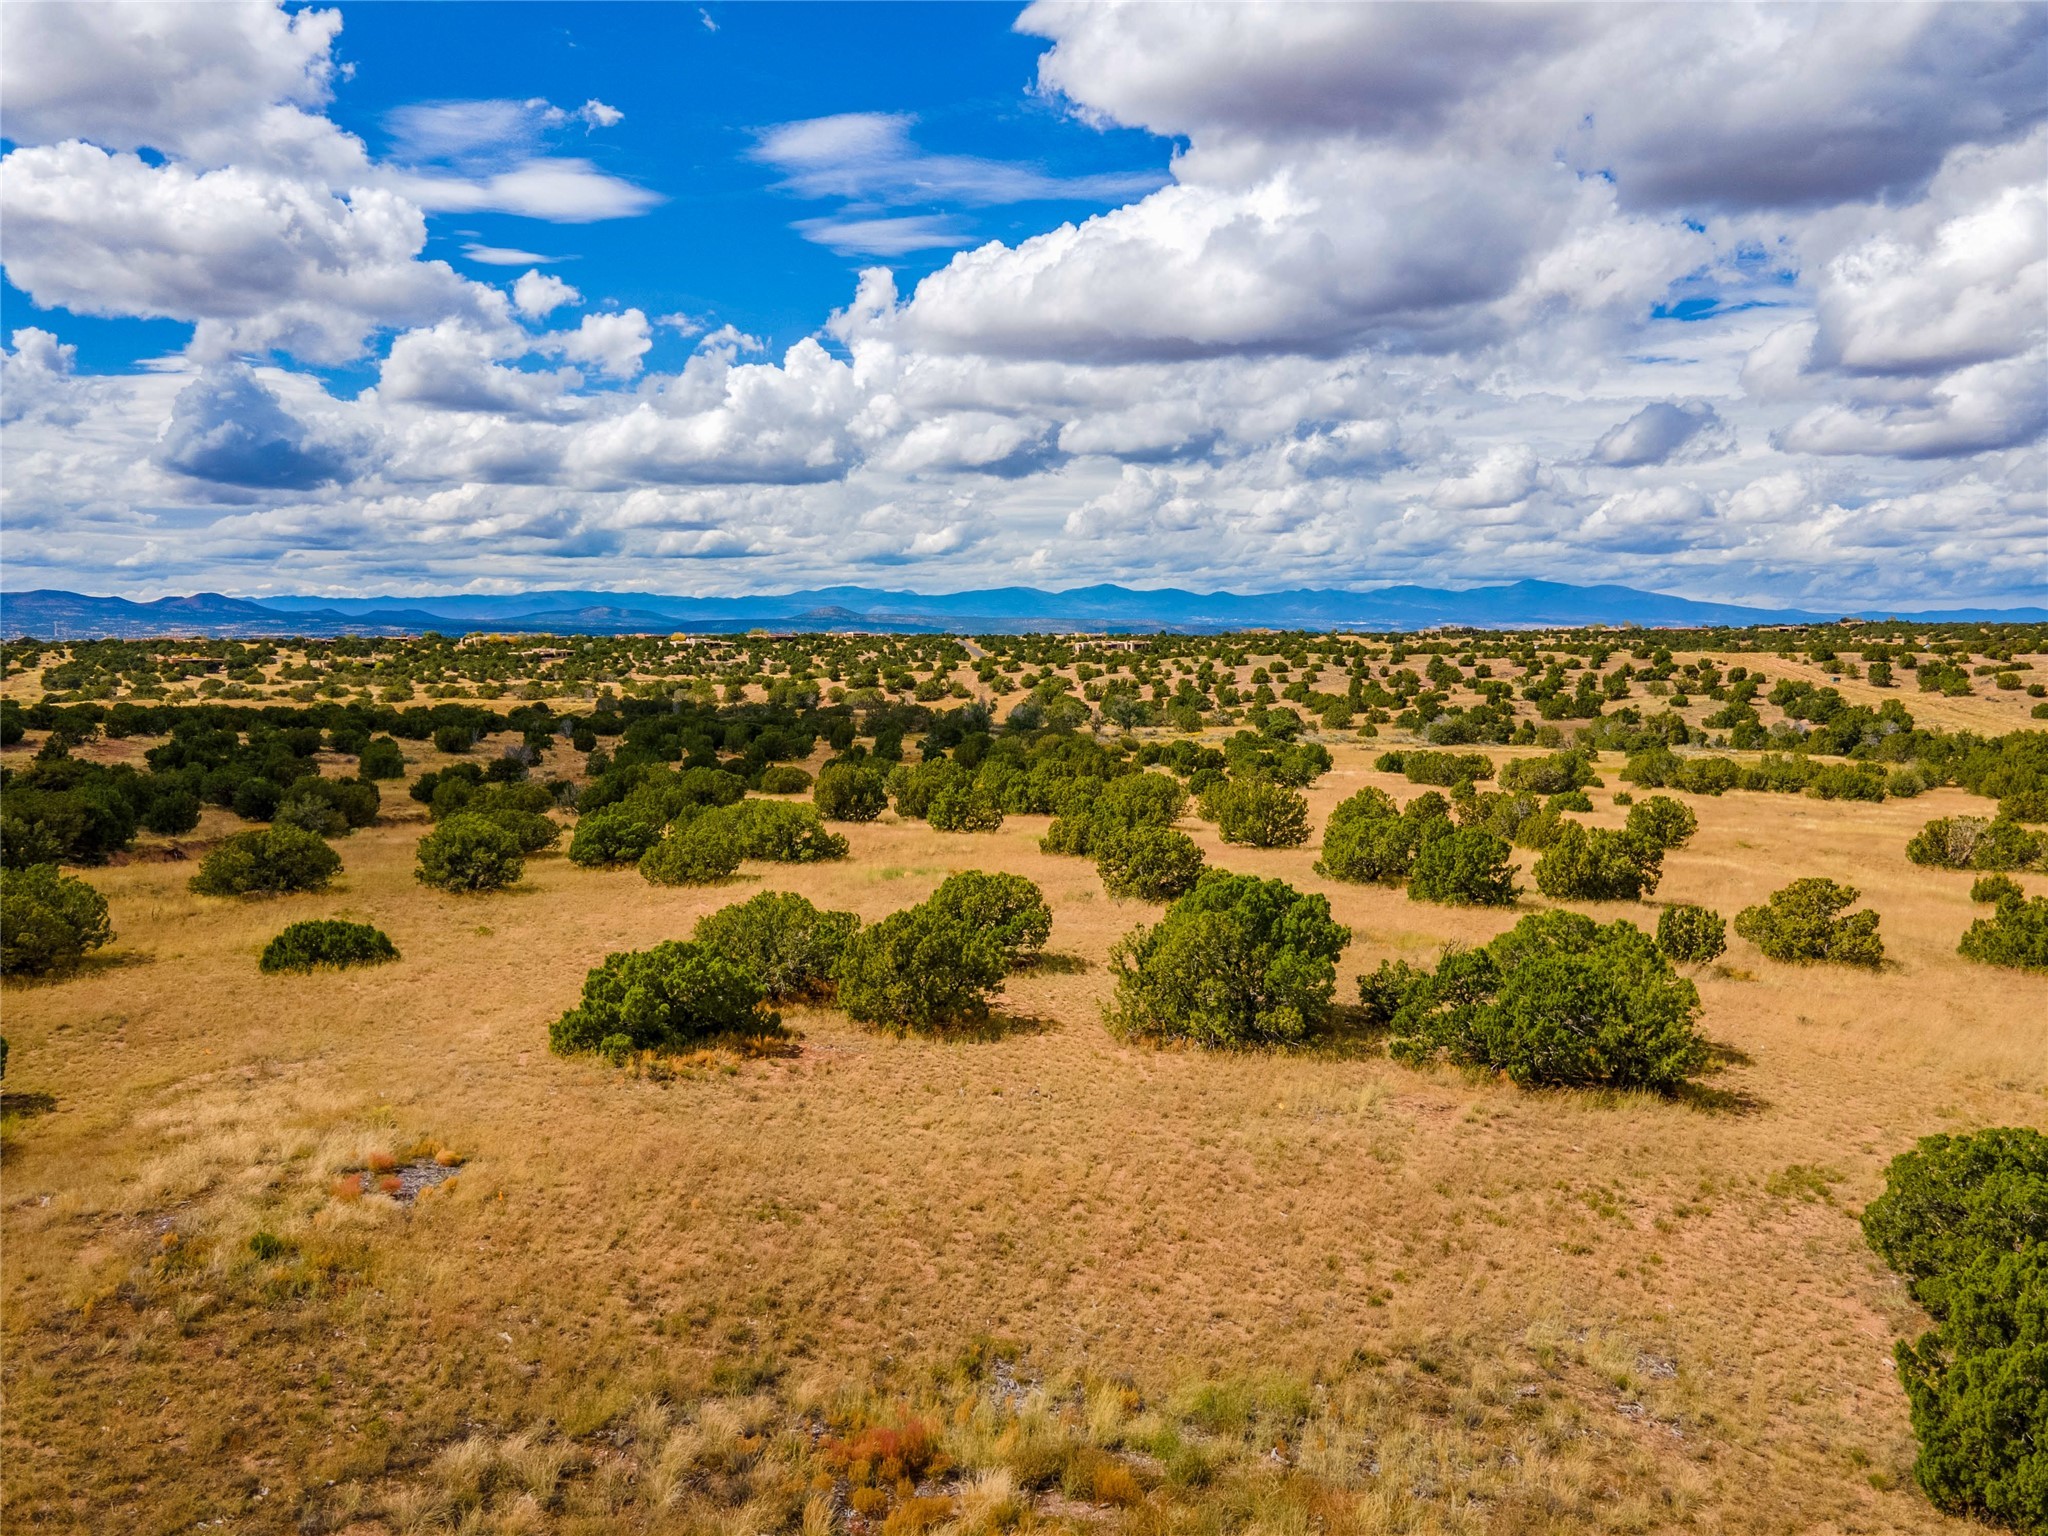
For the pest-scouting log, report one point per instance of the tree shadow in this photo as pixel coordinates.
(25, 1106)
(89, 965)
(1054, 962)
(1347, 1033)
(1710, 1100)
(996, 1024)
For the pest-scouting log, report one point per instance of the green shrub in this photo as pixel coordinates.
(323, 941)
(610, 837)
(2015, 935)
(1692, 935)
(1557, 774)
(454, 738)
(468, 853)
(700, 852)
(1149, 863)
(1953, 1200)
(1996, 890)
(781, 940)
(1596, 864)
(1663, 822)
(1804, 924)
(1947, 842)
(328, 807)
(48, 921)
(2025, 805)
(267, 861)
(530, 831)
(1236, 961)
(1848, 781)
(1557, 1000)
(1971, 842)
(784, 779)
(673, 997)
(1463, 867)
(919, 969)
(915, 788)
(776, 831)
(964, 806)
(1965, 1220)
(1139, 800)
(310, 813)
(1121, 805)
(1259, 813)
(2008, 845)
(1977, 1386)
(1369, 841)
(1440, 768)
(382, 758)
(1009, 908)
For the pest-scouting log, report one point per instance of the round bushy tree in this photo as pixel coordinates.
(850, 792)
(784, 779)
(610, 837)
(48, 921)
(1965, 1220)
(1372, 841)
(382, 758)
(1804, 924)
(1594, 864)
(699, 852)
(2014, 936)
(1662, 822)
(673, 997)
(530, 831)
(1557, 1000)
(1236, 961)
(1978, 1390)
(1955, 1199)
(2006, 844)
(777, 831)
(964, 806)
(921, 968)
(782, 940)
(171, 812)
(324, 941)
(1996, 890)
(1692, 935)
(1258, 812)
(310, 811)
(454, 738)
(1009, 908)
(1149, 863)
(267, 861)
(1464, 867)
(1132, 800)
(469, 853)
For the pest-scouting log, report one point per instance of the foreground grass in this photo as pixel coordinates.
(1101, 1287)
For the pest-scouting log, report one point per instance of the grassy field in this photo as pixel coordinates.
(1034, 1278)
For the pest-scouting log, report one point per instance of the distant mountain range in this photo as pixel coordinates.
(999, 610)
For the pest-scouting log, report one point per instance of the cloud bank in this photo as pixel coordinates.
(1749, 303)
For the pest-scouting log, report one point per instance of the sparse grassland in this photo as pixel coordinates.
(350, 1251)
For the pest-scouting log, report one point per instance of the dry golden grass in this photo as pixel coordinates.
(1195, 1292)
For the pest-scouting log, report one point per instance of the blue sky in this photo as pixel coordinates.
(721, 245)
(1745, 304)
(699, 86)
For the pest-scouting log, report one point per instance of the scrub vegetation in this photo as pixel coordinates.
(1139, 1085)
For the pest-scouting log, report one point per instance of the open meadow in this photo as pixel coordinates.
(353, 1251)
